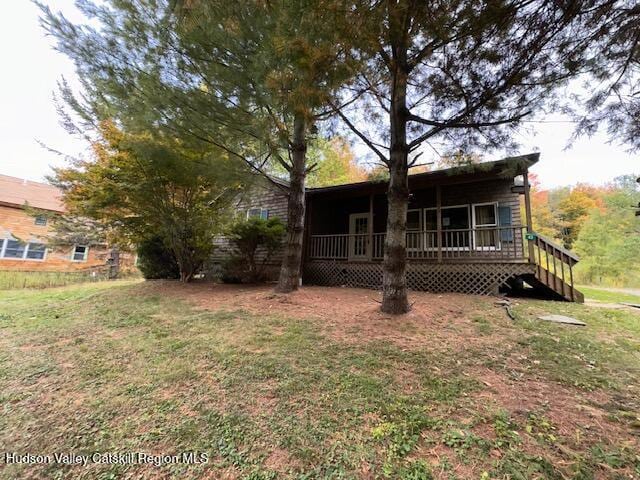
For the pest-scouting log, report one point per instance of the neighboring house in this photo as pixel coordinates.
(23, 237)
(465, 232)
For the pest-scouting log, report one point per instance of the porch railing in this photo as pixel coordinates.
(503, 243)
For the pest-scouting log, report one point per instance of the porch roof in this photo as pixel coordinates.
(505, 168)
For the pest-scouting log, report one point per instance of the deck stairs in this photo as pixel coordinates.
(553, 269)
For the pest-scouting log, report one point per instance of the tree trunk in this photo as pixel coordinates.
(292, 261)
(394, 283)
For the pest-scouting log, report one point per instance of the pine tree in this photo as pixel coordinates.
(463, 71)
(248, 77)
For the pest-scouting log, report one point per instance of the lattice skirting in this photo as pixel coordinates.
(474, 278)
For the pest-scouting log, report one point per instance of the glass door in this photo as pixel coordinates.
(358, 236)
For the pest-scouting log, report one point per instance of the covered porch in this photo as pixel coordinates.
(468, 230)
(464, 222)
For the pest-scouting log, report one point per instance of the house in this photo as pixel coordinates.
(24, 237)
(468, 230)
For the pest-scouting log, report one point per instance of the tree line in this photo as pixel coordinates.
(255, 84)
(599, 223)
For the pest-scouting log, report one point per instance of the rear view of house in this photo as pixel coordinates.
(24, 237)
(468, 230)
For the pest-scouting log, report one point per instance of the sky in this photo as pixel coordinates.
(31, 69)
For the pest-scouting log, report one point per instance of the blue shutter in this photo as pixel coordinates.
(504, 220)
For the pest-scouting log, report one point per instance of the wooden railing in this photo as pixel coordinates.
(554, 266)
(500, 243)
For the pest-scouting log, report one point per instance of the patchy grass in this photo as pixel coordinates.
(606, 295)
(125, 367)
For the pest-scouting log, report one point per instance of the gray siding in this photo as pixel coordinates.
(263, 194)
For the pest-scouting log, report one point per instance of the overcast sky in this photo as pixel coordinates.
(31, 70)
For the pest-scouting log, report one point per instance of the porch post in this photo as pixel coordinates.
(439, 221)
(527, 209)
(306, 238)
(370, 223)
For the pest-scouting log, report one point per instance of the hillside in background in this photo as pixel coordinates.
(599, 223)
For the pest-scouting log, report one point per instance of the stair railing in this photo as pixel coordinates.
(553, 263)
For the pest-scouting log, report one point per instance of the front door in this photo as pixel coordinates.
(358, 236)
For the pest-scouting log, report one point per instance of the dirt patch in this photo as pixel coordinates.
(568, 410)
(441, 321)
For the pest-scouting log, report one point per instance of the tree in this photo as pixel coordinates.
(542, 218)
(612, 91)
(143, 187)
(335, 163)
(464, 71)
(573, 210)
(609, 240)
(248, 77)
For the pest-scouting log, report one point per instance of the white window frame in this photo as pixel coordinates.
(451, 249)
(86, 253)
(5, 243)
(262, 210)
(421, 222)
(44, 219)
(487, 225)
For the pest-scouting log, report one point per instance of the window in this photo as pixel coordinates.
(414, 227)
(40, 220)
(485, 219)
(258, 213)
(80, 253)
(485, 215)
(36, 251)
(455, 227)
(15, 249)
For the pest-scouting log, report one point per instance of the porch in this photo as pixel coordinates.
(467, 231)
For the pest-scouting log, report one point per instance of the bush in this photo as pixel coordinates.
(254, 242)
(155, 260)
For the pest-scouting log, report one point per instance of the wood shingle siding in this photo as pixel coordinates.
(262, 194)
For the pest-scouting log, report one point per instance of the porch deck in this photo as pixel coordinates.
(478, 260)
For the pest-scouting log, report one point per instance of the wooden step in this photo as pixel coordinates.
(558, 285)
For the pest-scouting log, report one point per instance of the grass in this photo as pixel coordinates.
(16, 280)
(604, 295)
(117, 367)
(12, 280)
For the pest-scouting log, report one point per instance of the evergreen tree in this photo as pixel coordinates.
(249, 77)
(612, 97)
(463, 71)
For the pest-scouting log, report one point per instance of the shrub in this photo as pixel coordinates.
(155, 260)
(254, 242)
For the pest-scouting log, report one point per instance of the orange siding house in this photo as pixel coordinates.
(23, 238)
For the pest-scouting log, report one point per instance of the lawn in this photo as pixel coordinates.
(609, 295)
(315, 385)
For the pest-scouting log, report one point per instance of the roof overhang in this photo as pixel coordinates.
(509, 167)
